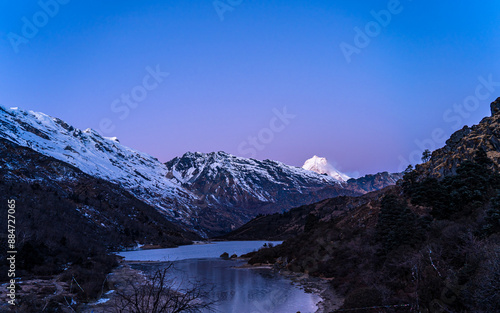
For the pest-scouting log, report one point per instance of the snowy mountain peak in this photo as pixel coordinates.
(321, 166)
(209, 193)
(105, 158)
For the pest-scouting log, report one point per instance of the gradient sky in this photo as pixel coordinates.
(228, 77)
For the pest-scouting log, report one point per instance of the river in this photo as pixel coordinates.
(239, 290)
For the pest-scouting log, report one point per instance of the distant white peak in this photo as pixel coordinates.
(321, 166)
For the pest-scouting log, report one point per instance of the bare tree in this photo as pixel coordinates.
(486, 285)
(159, 295)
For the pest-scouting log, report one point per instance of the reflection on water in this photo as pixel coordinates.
(240, 290)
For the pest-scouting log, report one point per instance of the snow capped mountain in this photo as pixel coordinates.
(321, 166)
(214, 192)
(210, 193)
(105, 158)
(250, 186)
(247, 173)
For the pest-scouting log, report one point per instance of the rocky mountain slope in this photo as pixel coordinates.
(66, 223)
(57, 199)
(97, 156)
(282, 226)
(373, 182)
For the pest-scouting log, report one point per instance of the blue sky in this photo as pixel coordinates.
(229, 72)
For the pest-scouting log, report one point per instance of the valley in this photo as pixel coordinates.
(351, 233)
(233, 156)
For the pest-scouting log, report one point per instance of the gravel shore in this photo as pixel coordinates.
(322, 287)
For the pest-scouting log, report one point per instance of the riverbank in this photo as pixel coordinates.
(330, 299)
(120, 281)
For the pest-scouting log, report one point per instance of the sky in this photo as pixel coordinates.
(367, 84)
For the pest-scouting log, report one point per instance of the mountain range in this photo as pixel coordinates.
(205, 193)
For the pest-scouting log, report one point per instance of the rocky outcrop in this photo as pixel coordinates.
(495, 106)
(455, 138)
(463, 145)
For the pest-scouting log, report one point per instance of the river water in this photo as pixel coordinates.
(239, 290)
